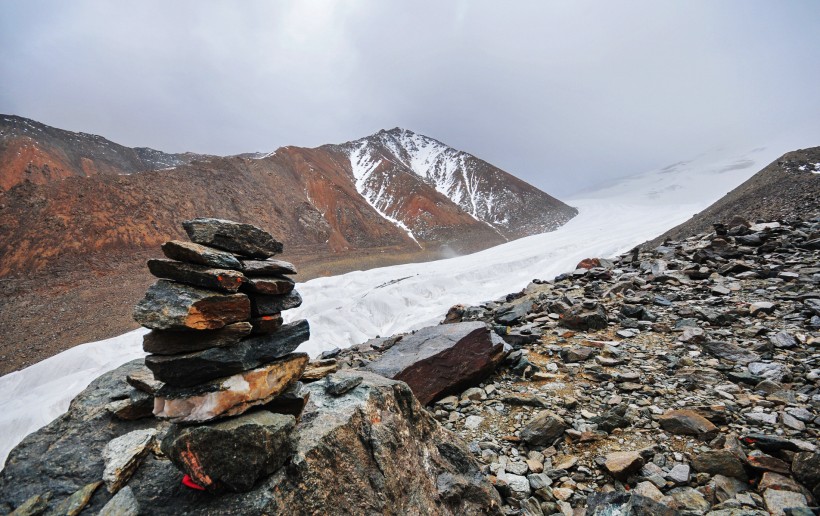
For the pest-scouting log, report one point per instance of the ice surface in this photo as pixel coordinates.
(348, 309)
(33, 397)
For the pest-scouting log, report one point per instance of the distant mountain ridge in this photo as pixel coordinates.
(394, 188)
(34, 152)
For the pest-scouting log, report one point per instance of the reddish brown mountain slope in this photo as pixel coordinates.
(79, 215)
(36, 153)
(788, 188)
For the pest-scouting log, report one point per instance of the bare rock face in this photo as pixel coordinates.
(440, 360)
(229, 396)
(199, 367)
(173, 306)
(372, 450)
(236, 237)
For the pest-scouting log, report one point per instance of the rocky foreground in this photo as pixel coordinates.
(683, 379)
(678, 380)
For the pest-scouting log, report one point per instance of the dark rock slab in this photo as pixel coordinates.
(200, 254)
(612, 419)
(580, 318)
(231, 455)
(173, 306)
(272, 285)
(229, 396)
(267, 267)
(806, 469)
(198, 367)
(722, 462)
(173, 342)
(373, 451)
(266, 324)
(769, 443)
(244, 239)
(440, 360)
(197, 275)
(269, 305)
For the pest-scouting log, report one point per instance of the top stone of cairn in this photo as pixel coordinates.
(236, 237)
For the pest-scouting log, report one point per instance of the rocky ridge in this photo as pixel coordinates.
(680, 379)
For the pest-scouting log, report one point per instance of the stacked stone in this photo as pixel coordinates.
(218, 345)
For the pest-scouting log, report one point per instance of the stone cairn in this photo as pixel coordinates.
(218, 345)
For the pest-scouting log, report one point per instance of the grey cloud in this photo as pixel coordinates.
(562, 94)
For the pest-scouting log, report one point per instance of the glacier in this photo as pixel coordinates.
(351, 308)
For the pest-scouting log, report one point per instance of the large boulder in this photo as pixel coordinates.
(372, 450)
(233, 454)
(440, 360)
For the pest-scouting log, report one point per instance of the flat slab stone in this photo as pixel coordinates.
(229, 396)
(273, 285)
(267, 267)
(440, 360)
(237, 237)
(232, 455)
(173, 306)
(197, 275)
(266, 324)
(730, 352)
(199, 367)
(200, 254)
(173, 342)
(688, 422)
(262, 304)
(622, 464)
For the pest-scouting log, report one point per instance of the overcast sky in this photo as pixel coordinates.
(562, 94)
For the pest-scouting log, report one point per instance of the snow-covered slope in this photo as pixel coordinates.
(347, 309)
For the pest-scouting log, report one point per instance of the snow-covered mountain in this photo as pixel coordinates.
(394, 169)
(350, 308)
